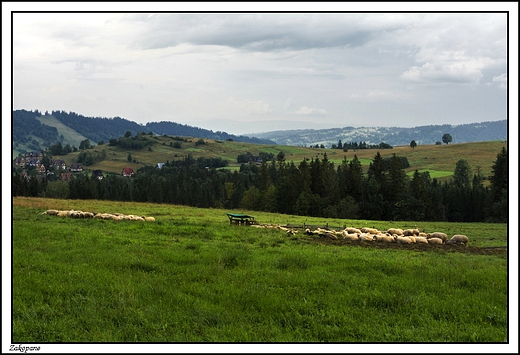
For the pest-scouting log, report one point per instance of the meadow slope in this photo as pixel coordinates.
(439, 160)
(190, 276)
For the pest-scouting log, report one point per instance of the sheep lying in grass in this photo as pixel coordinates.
(351, 230)
(395, 231)
(369, 231)
(439, 235)
(81, 214)
(458, 239)
(434, 241)
(384, 238)
(348, 236)
(410, 232)
(421, 240)
(365, 237)
(404, 240)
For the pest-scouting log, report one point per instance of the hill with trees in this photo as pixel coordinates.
(34, 131)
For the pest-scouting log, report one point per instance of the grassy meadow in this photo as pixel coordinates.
(439, 160)
(192, 277)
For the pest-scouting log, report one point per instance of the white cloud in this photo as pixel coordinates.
(501, 81)
(304, 110)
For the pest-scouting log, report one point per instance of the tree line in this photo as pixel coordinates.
(312, 188)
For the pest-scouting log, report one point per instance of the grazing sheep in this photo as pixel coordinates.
(62, 213)
(351, 230)
(434, 241)
(421, 240)
(439, 235)
(404, 240)
(51, 212)
(88, 215)
(458, 239)
(421, 234)
(395, 231)
(412, 238)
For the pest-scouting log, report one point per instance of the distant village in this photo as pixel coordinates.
(35, 160)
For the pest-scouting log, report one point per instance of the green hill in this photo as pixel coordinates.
(439, 160)
(69, 134)
(34, 131)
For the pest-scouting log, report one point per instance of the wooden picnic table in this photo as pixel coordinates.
(237, 218)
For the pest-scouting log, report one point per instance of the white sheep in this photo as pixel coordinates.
(458, 239)
(62, 213)
(348, 236)
(434, 241)
(410, 232)
(369, 230)
(395, 231)
(439, 235)
(365, 237)
(384, 238)
(404, 240)
(351, 230)
(51, 212)
(421, 240)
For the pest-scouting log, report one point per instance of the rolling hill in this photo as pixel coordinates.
(439, 160)
(395, 136)
(34, 131)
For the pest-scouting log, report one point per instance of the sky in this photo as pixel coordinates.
(254, 71)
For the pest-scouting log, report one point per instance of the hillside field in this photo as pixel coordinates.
(439, 160)
(190, 276)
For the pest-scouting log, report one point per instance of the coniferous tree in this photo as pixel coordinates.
(498, 208)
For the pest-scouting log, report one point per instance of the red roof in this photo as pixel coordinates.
(127, 171)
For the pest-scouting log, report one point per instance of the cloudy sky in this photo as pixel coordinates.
(255, 72)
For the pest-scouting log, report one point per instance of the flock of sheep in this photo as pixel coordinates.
(114, 216)
(392, 235)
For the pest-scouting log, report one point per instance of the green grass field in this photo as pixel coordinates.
(190, 276)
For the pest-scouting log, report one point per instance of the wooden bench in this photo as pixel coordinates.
(244, 219)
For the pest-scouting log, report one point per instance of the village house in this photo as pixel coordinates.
(58, 164)
(75, 167)
(33, 162)
(127, 172)
(20, 161)
(41, 168)
(34, 154)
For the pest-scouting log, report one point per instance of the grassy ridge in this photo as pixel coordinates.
(191, 277)
(439, 160)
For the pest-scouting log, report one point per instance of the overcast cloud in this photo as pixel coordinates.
(257, 72)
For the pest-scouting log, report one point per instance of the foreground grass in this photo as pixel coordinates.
(191, 277)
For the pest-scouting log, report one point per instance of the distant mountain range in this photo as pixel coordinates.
(395, 136)
(34, 131)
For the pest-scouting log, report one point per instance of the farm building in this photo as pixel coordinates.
(127, 172)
